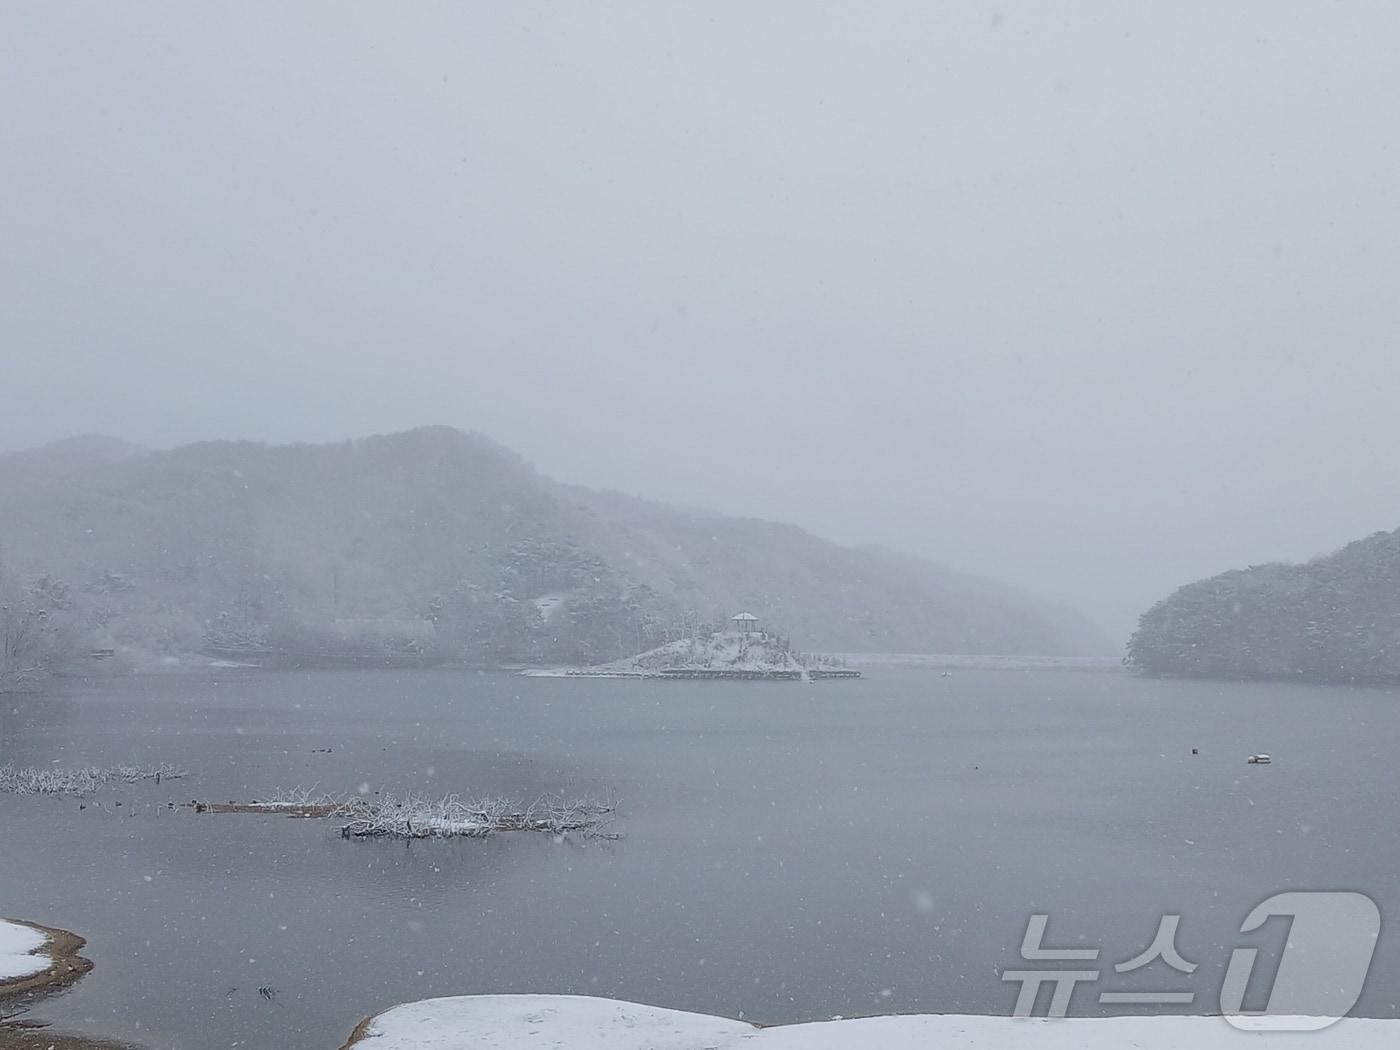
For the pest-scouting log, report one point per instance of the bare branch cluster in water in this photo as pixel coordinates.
(419, 817)
(416, 816)
(80, 781)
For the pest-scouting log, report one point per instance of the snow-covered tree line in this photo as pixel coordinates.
(1336, 617)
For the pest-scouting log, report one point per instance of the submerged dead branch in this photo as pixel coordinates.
(291, 802)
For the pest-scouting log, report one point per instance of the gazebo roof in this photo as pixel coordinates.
(744, 616)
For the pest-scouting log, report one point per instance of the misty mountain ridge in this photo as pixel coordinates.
(1336, 617)
(435, 539)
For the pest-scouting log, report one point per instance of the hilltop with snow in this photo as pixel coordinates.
(437, 543)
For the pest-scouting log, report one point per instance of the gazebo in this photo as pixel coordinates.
(745, 623)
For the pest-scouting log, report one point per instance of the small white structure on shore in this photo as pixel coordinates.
(745, 623)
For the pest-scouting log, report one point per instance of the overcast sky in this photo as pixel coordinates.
(1093, 298)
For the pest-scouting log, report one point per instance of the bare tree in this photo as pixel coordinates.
(35, 630)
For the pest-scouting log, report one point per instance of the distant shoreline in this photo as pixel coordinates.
(694, 674)
(1275, 677)
(198, 663)
(979, 662)
(914, 661)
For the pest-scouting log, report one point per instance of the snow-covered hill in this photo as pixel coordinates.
(242, 546)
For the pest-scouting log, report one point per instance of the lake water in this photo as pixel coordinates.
(792, 851)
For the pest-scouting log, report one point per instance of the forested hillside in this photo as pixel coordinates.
(1335, 617)
(442, 543)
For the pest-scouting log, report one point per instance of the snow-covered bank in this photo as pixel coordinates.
(561, 1022)
(21, 951)
(566, 1022)
(35, 959)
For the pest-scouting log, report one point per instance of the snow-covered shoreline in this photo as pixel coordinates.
(22, 953)
(35, 958)
(585, 1023)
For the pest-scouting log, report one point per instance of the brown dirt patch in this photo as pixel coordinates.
(18, 1037)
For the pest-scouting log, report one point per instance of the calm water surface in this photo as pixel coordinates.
(793, 851)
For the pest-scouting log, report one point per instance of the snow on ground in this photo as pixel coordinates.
(561, 1022)
(564, 1022)
(964, 1032)
(724, 651)
(17, 945)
